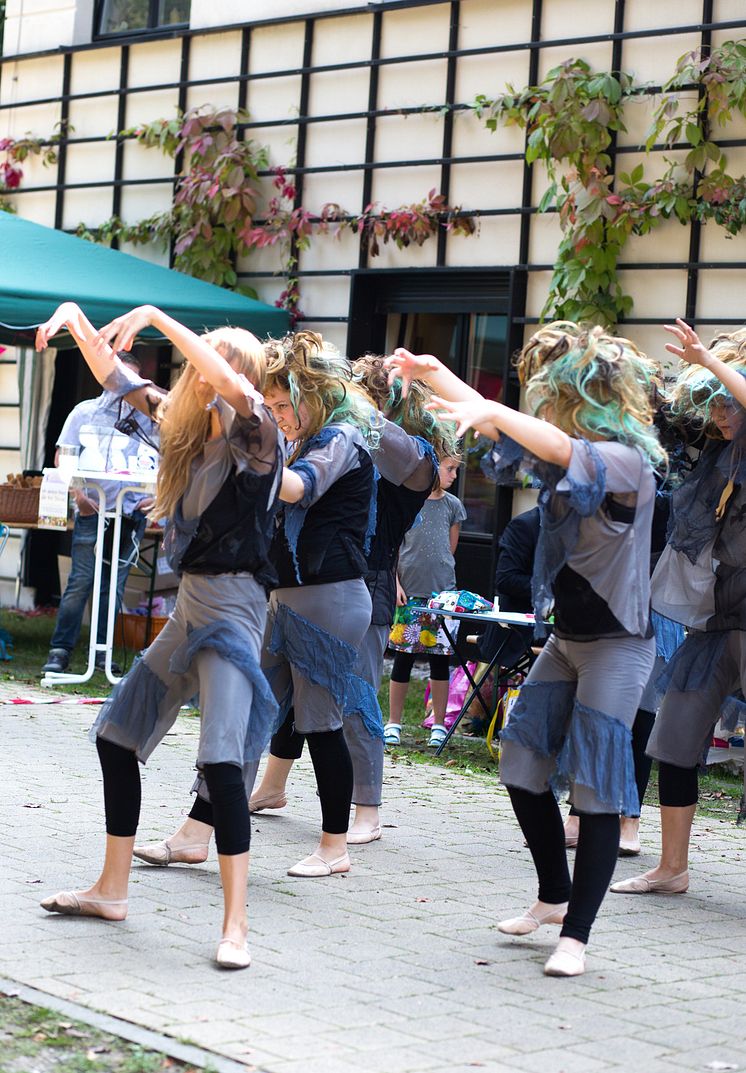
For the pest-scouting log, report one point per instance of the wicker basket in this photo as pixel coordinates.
(130, 630)
(18, 504)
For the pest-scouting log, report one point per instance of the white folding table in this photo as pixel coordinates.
(128, 482)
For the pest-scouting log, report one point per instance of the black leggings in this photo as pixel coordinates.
(332, 765)
(641, 730)
(678, 787)
(598, 841)
(404, 661)
(122, 794)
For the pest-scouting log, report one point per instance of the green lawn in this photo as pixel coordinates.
(720, 789)
(36, 1040)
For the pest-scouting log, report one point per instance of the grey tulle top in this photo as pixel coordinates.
(578, 527)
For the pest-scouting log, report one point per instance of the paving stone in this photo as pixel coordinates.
(378, 972)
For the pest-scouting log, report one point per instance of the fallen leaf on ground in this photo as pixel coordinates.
(424, 899)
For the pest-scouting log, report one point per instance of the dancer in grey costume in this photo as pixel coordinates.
(592, 455)
(220, 474)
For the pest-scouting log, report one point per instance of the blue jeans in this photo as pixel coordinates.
(80, 583)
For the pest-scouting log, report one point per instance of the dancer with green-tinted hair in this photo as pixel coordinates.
(700, 581)
(590, 443)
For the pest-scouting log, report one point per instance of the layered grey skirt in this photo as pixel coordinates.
(363, 725)
(571, 726)
(211, 645)
(312, 640)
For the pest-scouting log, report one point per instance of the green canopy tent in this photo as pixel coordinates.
(41, 267)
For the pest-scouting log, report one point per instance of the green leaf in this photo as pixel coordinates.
(693, 133)
(637, 174)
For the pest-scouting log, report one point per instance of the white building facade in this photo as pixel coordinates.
(368, 103)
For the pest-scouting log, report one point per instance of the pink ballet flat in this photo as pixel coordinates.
(72, 903)
(528, 922)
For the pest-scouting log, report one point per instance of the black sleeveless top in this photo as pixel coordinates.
(331, 544)
(235, 531)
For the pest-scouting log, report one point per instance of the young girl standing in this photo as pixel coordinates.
(591, 444)
(426, 565)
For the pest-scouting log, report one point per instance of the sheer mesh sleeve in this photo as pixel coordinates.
(403, 459)
(333, 452)
(140, 393)
(253, 439)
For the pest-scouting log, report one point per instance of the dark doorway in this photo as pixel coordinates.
(463, 317)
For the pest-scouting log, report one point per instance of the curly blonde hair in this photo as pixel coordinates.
(313, 372)
(593, 384)
(185, 422)
(696, 390)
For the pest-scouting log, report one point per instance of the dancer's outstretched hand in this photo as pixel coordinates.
(403, 363)
(691, 349)
(121, 332)
(56, 322)
(478, 414)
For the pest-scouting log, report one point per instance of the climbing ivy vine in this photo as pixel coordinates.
(223, 207)
(571, 118)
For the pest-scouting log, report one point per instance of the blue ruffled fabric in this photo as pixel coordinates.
(370, 530)
(669, 635)
(129, 717)
(591, 748)
(538, 719)
(582, 497)
(693, 523)
(733, 711)
(264, 716)
(597, 753)
(691, 666)
(362, 700)
(295, 513)
(320, 657)
(503, 462)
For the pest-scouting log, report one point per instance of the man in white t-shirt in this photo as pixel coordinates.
(109, 411)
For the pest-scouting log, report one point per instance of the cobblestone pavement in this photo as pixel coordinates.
(395, 968)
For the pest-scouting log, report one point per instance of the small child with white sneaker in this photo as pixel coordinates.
(426, 565)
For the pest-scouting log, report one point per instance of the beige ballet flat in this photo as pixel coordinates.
(258, 804)
(315, 867)
(232, 955)
(565, 963)
(529, 922)
(72, 903)
(640, 885)
(161, 854)
(363, 835)
(629, 847)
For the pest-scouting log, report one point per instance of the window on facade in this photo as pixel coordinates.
(128, 16)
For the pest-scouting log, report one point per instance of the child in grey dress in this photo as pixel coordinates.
(426, 565)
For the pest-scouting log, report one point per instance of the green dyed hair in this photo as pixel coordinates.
(592, 384)
(313, 372)
(696, 390)
(408, 411)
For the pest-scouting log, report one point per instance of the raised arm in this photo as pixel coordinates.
(100, 357)
(493, 419)
(122, 332)
(403, 363)
(693, 352)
